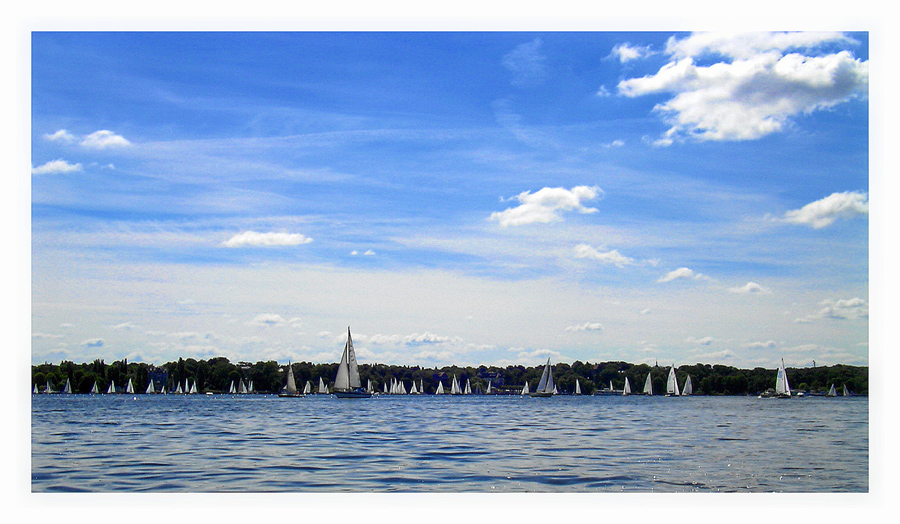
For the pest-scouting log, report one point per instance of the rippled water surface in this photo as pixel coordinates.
(199, 443)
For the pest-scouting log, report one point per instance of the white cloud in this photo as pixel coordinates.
(705, 341)
(125, 326)
(267, 319)
(627, 52)
(750, 287)
(716, 356)
(527, 64)
(824, 212)
(608, 257)
(92, 342)
(60, 136)
(254, 239)
(769, 344)
(428, 338)
(545, 205)
(54, 167)
(682, 273)
(841, 309)
(103, 139)
(614, 143)
(587, 326)
(754, 94)
(40, 335)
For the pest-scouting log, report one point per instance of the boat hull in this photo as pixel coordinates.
(352, 394)
(541, 395)
(289, 395)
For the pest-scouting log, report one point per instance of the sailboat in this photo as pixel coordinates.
(413, 390)
(468, 390)
(290, 388)
(112, 387)
(831, 392)
(688, 388)
(672, 383)
(68, 388)
(35, 390)
(648, 385)
(323, 389)
(440, 388)
(488, 390)
(129, 388)
(250, 386)
(454, 387)
(243, 389)
(545, 388)
(577, 387)
(627, 389)
(525, 390)
(346, 384)
(194, 387)
(178, 390)
(95, 390)
(150, 388)
(307, 389)
(846, 392)
(782, 387)
(48, 388)
(231, 389)
(421, 387)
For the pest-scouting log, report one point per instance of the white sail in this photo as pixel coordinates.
(627, 389)
(130, 387)
(187, 387)
(231, 389)
(577, 387)
(440, 388)
(672, 382)
(468, 390)
(194, 387)
(243, 389)
(322, 388)
(150, 389)
(95, 389)
(546, 383)
(648, 385)
(48, 388)
(525, 390)
(178, 390)
(348, 370)
(488, 391)
(831, 392)
(307, 388)
(35, 390)
(68, 388)
(163, 390)
(421, 386)
(290, 386)
(384, 387)
(454, 387)
(413, 390)
(112, 387)
(688, 387)
(782, 387)
(846, 392)
(369, 387)
(250, 387)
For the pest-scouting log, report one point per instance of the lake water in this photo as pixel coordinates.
(262, 443)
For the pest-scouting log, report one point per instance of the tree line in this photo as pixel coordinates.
(216, 374)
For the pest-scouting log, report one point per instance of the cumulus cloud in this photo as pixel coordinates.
(92, 342)
(607, 257)
(104, 139)
(841, 309)
(546, 205)
(267, 319)
(627, 52)
(527, 64)
(254, 239)
(826, 211)
(705, 341)
(60, 136)
(756, 90)
(428, 338)
(125, 325)
(682, 273)
(768, 344)
(750, 287)
(587, 326)
(54, 167)
(40, 335)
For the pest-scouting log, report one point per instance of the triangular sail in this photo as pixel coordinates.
(525, 389)
(130, 387)
(488, 390)
(413, 390)
(194, 387)
(440, 389)
(178, 390)
(291, 386)
(545, 385)
(348, 370)
(112, 387)
(68, 388)
(468, 390)
(846, 392)
(454, 387)
(831, 392)
(243, 389)
(150, 389)
(307, 388)
(782, 387)
(322, 388)
(688, 387)
(672, 382)
(627, 389)
(369, 387)
(231, 389)
(577, 387)
(48, 388)
(35, 390)
(95, 389)
(648, 385)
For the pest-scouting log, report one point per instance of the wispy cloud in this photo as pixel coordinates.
(267, 319)
(55, 167)
(255, 239)
(546, 205)
(527, 64)
(607, 257)
(826, 211)
(754, 94)
(750, 287)
(587, 326)
(682, 273)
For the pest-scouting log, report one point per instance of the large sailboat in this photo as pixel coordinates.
(290, 388)
(545, 388)
(672, 383)
(782, 387)
(346, 384)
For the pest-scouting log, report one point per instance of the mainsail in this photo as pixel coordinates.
(129, 388)
(846, 392)
(468, 390)
(348, 370)
(95, 389)
(831, 392)
(307, 388)
(150, 389)
(112, 387)
(782, 387)
(525, 390)
(291, 386)
(440, 388)
(545, 385)
(68, 388)
(577, 387)
(627, 389)
(488, 391)
(648, 385)
(454, 387)
(322, 388)
(688, 388)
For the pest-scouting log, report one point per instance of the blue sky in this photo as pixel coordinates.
(454, 197)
